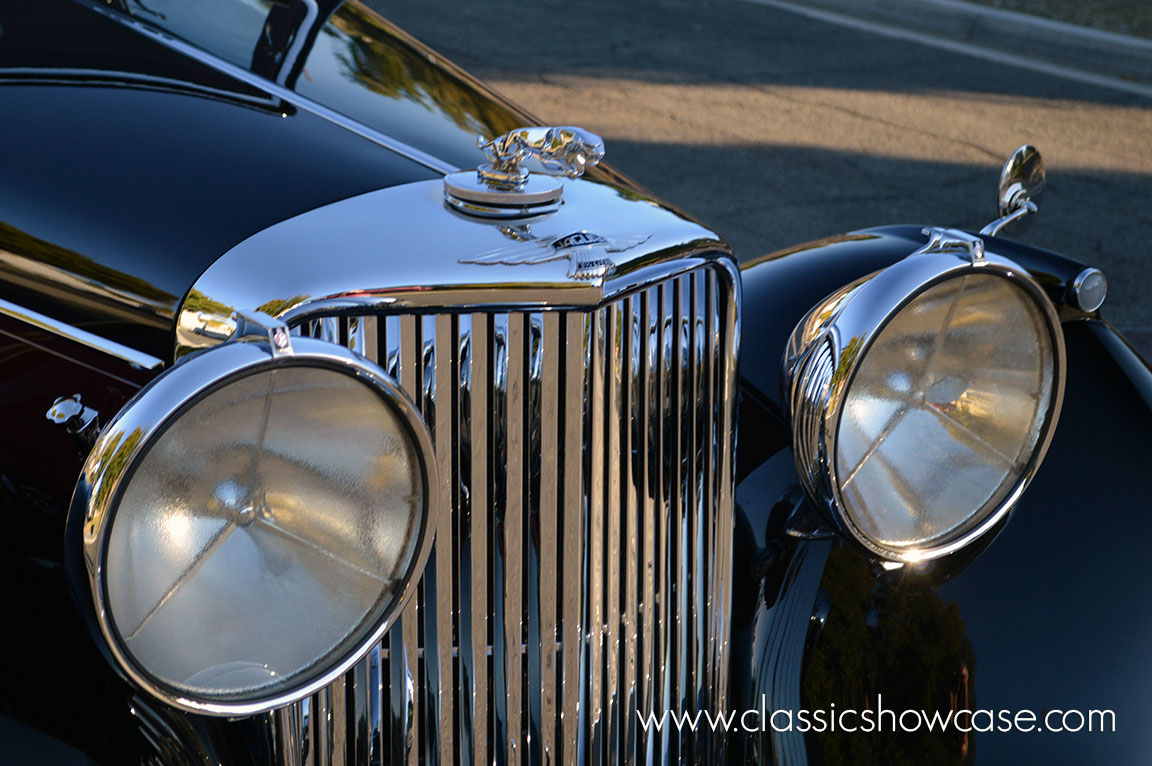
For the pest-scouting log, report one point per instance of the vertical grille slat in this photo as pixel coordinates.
(581, 567)
(709, 470)
(376, 676)
(319, 718)
(664, 619)
(367, 677)
(613, 508)
(597, 458)
(677, 578)
(697, 517)
(403, 661)
(534, 557)
(288, 732)
(573, 645)
(444, 555)
(550, 563)
(337, 722)
(478, 525)
(631, 519)
(515, 494)
(649, 660)
(725, 399)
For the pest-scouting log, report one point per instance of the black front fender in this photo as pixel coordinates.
(1050, 616)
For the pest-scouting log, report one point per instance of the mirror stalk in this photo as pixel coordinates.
(993, 228)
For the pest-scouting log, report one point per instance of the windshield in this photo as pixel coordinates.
(230, 29)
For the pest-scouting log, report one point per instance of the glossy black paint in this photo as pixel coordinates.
(365, 67)
(61, 699)
(117, 189)
(133, 168)
(128, 169)
(1047, 614)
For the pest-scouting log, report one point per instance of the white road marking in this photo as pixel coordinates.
(987, 54)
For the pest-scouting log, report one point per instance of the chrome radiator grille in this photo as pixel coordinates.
(581, 568)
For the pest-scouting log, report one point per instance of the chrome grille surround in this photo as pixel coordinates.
(593, 578)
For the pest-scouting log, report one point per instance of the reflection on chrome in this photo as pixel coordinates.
(593, 450)
(980, 358)
(242, 494)
(924, 397)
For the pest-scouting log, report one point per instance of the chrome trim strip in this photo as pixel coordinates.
(112, 78)
(278, 90)
(83, 337)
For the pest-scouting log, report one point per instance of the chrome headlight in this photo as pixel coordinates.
(254, 523)
(924, 397)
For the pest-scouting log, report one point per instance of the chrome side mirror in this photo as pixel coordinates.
(1021, 188)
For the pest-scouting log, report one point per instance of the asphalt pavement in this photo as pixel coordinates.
(776, 128)
(1132, 17)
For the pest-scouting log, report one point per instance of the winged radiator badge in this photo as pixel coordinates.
(589, 255)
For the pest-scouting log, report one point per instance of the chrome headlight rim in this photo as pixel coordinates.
(818, 378)
(156, 407)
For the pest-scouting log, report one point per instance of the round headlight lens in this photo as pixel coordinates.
(924, 397)
(944, 412)
(262, 533)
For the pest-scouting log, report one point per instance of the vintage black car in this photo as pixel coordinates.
(332, 435)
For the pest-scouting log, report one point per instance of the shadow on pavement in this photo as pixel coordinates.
(882, 132)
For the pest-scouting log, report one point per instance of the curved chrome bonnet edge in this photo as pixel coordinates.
(403, 248)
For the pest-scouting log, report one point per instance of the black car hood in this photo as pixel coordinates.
(130, 167)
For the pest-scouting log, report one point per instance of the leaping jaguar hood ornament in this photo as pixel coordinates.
(567, 151)
(504, 188)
